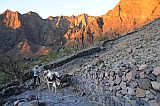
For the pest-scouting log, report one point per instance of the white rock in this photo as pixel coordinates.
(16, 102)
(106, 74)
(129, 76)
(143, 67)
(110, 88)
(123, 85)
(142, 75)
(156, 71)
(156, 85)
(130, 91)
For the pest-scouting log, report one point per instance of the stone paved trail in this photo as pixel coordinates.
(63, 97)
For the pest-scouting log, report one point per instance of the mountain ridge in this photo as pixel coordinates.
(73, 31)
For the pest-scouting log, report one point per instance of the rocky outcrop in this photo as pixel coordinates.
(128, 15)
(30, 35)
(11, 19)
(82, 28)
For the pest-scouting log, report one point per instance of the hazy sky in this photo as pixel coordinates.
(47, 8)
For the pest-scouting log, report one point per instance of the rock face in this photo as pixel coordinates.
(74, 31)
(129, 14)
(11, 19)
(30, 35)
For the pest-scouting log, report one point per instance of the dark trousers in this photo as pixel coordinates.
(35, 79)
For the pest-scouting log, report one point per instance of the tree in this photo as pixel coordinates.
(11, 65)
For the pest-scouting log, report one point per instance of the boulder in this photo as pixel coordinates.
(144, 83)
(156, 85)
(149, 95)
(143, 67)
(140, 92)
(142, 75)
(130, 91)
(129, 76)
(156, 71)
(123, 85)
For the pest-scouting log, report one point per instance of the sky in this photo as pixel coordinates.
(47, 8)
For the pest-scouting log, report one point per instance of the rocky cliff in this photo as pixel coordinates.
(128, 15)
(28, 33)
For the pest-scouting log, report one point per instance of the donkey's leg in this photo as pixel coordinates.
(54, 85)
(48, 85)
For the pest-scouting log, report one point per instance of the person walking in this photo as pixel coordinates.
(36, 72)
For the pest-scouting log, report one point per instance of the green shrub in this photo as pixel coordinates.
(52, 56)
(3, 78)
(102, 38)
(68, 50)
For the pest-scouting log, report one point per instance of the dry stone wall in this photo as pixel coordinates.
(128, 74)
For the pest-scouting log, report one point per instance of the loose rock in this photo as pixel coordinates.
(140, 92)
(143, 67)
(156, 71)
(156, 85)
(144, 83)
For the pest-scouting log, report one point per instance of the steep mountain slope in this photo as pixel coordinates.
(27, 33)
(126, 73)
(74, 31)
(126, 16)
